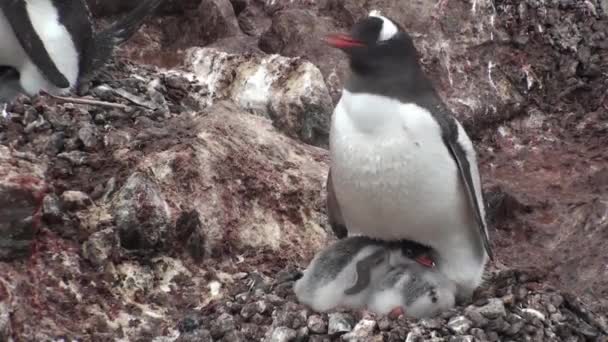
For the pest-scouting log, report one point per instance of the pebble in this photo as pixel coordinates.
(222, 325)
(51, 210)
(340, 323)
(460, 325)
(75, 200)
(316, 324)
(362, 332)
(464, 338)
(283, 334)
(493, 309)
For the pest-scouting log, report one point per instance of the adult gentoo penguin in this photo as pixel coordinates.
(402, 166)
(52, 44)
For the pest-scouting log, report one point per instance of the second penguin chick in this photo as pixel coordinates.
(413, 290)
(342, 274)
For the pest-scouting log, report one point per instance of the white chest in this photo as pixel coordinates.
(393, 175)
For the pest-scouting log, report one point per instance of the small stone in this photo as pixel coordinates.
(432, 323)
(187, 325)
(384, 324)
(460, 325)
(262, 306)
(515, 328)
(51, 210)
(319, 338)
(74, 200)
(88, 136)
(250, 330)
(465, 338)
(303, 334)
(283, 334)
(199, 335)
(142, 215)
(5, 319)
(476, 317)
(248, 310)
(362, 332)
(533, 313)
(493, 336)
(222, 325)
(493, 309)
(274, 299)
(479, 334)
(99, 246)
(499, 325)
(316, 324)
(233, 336)
(340, 323)
(257, 319)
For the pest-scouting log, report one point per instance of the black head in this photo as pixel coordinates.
(375, 44)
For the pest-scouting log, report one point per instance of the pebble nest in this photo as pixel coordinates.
(513, 307)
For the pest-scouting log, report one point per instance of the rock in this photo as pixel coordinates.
(476, 317)
(189, 228)
(296, 33)
(283, 334)
(363, 331)
(22, 189)
(99, 246)
(88, 136)
(75, 200)
(460, 325)
(5, 313)
(316, 324)
(223, 325)
(465, 338)
(340, 323)
(217, 20)
(431, 323)
(142, 215)
(51, 210)
(199, 335)
(290, 91)
(495, 308)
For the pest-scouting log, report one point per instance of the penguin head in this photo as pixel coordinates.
(375, 43)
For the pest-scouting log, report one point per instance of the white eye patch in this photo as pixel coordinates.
(389, 29)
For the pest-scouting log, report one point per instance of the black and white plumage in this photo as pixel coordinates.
(402, 166)
(343, 274)
(52, 43)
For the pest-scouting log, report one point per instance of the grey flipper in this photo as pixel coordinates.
(363, 271)
(464, 167)
(100, 49)
(334, 215)
(16, 14)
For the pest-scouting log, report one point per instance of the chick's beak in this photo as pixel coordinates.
(342, 41)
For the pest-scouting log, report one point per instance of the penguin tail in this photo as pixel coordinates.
(104, 42)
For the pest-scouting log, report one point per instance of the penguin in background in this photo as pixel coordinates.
(402, 166)
(53, 46)
(342, 274)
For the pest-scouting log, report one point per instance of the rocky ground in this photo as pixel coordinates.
(173, 207)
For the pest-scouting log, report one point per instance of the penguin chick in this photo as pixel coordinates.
(341, 274)
(52, 44)
(416, 291)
